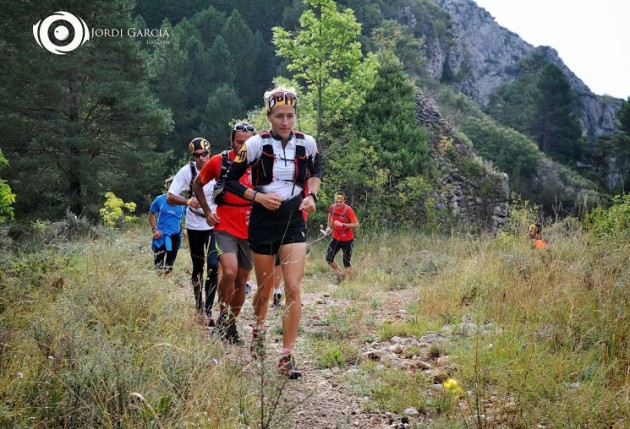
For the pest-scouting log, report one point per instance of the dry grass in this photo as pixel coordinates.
(105, 342)
(91, 337)
(552, 344)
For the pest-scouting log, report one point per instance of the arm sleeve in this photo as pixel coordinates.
(181, 181)
(314, 161)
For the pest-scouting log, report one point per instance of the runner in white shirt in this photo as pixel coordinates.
(286, 174)
(200, 235)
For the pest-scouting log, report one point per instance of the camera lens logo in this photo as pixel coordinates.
(60, 46)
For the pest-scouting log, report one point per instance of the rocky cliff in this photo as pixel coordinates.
(483, 55)
(468, 188)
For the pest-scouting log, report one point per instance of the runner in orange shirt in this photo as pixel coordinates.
(342, 221)
(230, 227)
(535, 233)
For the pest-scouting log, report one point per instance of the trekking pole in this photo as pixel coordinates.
(322, 233)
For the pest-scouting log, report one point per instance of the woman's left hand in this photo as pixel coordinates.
(308, 204)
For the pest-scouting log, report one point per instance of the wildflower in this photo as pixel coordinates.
(452, 386)
(215, 362)
(20, 375)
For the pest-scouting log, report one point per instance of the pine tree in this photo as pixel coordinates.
(381, 158)
(222, 107)
(621, 144)
(79, 124)
(556, 128)
(242, 44)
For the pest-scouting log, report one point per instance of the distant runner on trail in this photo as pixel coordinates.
(342, 221)
(165, 221)
(535, 233)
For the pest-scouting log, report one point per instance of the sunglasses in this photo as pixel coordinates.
(244, 127)
(199, 155)
(282, 95)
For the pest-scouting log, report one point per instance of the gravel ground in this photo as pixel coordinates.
(322, 398)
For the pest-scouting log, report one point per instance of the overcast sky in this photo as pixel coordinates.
(591, 36)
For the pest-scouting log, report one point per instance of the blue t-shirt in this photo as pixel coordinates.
(169, 217)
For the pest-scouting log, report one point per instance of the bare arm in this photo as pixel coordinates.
(178, 200)
(153, 225)
(351, 225)
(309, 203)
(211, 217)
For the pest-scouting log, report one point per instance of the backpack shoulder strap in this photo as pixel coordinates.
(267, 147)
(225, 164)
(345, 210)
(193, 174)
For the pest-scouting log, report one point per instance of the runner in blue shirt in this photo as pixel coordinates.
(165, 221)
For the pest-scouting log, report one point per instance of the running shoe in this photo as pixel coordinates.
(287, 367)
(231, 334)
(221, 327)
(277, 300)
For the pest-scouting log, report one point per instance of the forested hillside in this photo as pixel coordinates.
(116, 113)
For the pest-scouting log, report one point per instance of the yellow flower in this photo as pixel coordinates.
(452, 386)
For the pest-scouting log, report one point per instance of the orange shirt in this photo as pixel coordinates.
(234, 214)
(540, 243)
(343, 214)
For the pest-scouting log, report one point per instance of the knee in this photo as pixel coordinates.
(228, 275)
(292, 292)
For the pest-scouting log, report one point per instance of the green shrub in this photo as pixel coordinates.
(611, 221)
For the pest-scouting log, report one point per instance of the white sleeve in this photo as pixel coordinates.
(310, 144)
(254, 148)
(181, 182)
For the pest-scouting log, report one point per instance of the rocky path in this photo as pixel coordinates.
(324, 398)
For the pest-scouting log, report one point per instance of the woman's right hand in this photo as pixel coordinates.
(269, 201)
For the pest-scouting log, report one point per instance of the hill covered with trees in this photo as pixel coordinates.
(116, 114)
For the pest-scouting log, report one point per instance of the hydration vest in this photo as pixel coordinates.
(338, 215)
(191, 193)
(218, 193)
(262, 170)
(193, 174)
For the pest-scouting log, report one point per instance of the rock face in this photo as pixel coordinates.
(484, 55)
(468, 188)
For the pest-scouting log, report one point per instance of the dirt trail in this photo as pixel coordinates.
(322, 398)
